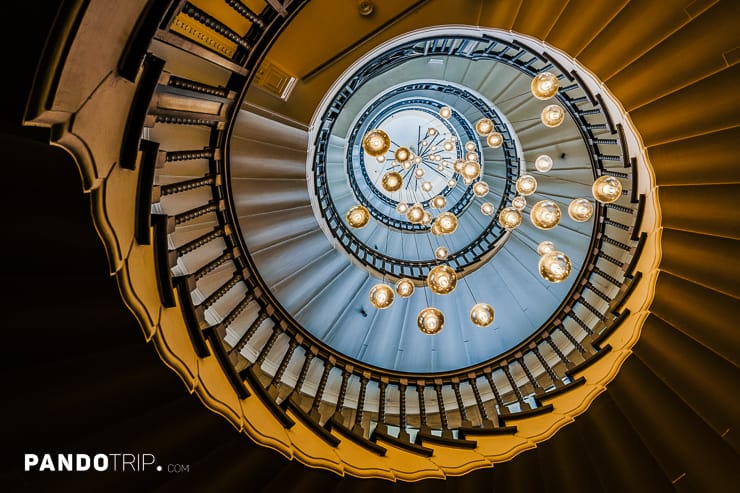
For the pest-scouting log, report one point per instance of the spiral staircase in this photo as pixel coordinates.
(229, 306)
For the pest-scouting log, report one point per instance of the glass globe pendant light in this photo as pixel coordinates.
(552, 115)
(376, 142)
(358, 216)
(381, 296)
(442, 279)
(426, 218)
(526, 185)
(404, 287)
(427, 186)
(415, 214)
(481, 314)
(519, 202)
(487, 208)
(606, 189)
(580, 210)
(430, 320)
(445, 112)
(554, 266)
(447, 222)
(544, 247)
(544, 85)
(392, 181)
(543, 163)
(470, 170)
(545, 214)
(494, 140)
(480, 189)
(440, 253)
(470, 146)
(484, 126)
(402, 154)
(509, 218)
(438, 202)
(402, 208)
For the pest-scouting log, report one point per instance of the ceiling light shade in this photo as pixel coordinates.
(580, 210)
(545, 214)
(543, 163)
(480, 189)
(484, 126)
(427, 186)
(487, 208)
(381, 296)
(441, 252)
(402, 154)
(544, 247)
(404, 287)
(509, 218)
(552, 115)
(415, 214)
(419, 173)
(482, 314)
(519, 202)
(445, 112)
(606, 189)
(358, 216)
(438, 202)
(545, 85)
(376, 142)
(426, 218)
(554, 266)
(447, 222)
(526, 185)
(402, 208)
(430, 320)
(470, 146)
(392, 181)
(470, 170)
(494, 140)
(442, 279)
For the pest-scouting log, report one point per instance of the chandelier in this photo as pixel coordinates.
(406, 167)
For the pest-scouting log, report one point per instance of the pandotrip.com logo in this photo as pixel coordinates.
(99, 462)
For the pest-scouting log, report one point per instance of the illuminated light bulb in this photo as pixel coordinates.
(358, 216)
(448, 146)
(404, 287)
(435, 229)
(519, 202)
(467, 181)
(543, 163)
(458, 165)
(424, 143)
(376, 142)
(406, 165)
(392, 181)
(480, 189)
(427, 186)
(447, 222)
(545, 247)
(402, 208)
(552, 115)
(432, 131)
(495, 140)
(487, 208)
(470, 170)
(544, 85)
(380, 159)
(426, 218)
(545, 214)
(470, 146)
(419, 173)
(415, 214)
(453, 139)
(484, 126)
(482, 314)
(580, 210)
(471, 156)
(526, 185)
(433, 149)
(554, 266)
(509, 218)
(441, 253)
(430, 320)
(607, 189)
(451, 183)
(439, 202)
(381, 296)
(402, 154)
(442, 279)
(417, 159)
(445, 112)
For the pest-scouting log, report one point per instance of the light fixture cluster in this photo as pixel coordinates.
(439, 152)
